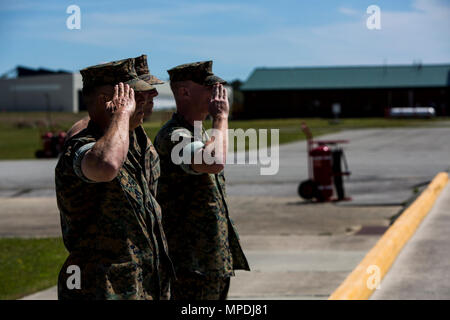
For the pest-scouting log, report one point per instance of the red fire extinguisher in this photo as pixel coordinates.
(47, 142)
(60, 142)
(52, 143)
(322, 163)
(324, 170)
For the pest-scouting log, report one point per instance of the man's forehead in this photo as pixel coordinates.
(108, 89)
(146, 93)
(190, 83)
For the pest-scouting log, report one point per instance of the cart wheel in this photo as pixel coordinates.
(308, 190)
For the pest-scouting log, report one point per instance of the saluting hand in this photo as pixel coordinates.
(218, 105)
(122, 101)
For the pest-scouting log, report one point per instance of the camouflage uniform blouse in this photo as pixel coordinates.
(201, 235)
(112, 230)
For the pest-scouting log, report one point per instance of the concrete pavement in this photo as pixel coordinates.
(422, 269)
(27, 178)
(26, 217)
(47, 294)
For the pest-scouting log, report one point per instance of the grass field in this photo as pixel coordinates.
(29, 265)
(20, 132)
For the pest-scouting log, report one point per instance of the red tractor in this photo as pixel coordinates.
(324, 170)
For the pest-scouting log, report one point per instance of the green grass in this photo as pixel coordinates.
(20, 132)
(18, 143)
(151, 128)
(29, 265)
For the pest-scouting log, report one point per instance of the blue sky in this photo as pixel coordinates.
(237, 35)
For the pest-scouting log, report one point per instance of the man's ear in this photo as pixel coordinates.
(185, 92)
(102, 99)
(104, 94)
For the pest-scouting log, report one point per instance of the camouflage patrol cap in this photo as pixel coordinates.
(199, 72)
(112, 73)
(141, 66)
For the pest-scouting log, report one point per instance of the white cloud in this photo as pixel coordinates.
(170, 15)
(130, 26)
(20, 6)
(421, 32)
(348, 11)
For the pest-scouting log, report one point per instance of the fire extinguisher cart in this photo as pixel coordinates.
(324, 170)
(52, 143)
(52, 139)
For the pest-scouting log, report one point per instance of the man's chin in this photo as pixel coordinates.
(147, 114)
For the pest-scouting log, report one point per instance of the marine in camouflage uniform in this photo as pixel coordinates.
(112, 230)
(202, 238)
(143, 73)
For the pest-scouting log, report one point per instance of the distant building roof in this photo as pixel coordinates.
(349, 77)
(25, 71)
(21, 71)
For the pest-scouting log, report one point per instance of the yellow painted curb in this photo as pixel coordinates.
(360, 284)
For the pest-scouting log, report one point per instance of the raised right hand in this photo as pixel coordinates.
(218, 104)
(122, 101)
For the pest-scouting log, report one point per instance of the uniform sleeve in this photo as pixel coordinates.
(80, 150)
(180, 141)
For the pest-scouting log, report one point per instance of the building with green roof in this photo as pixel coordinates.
(360, 91)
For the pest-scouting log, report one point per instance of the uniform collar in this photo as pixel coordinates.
(94, 129)
(180, 119)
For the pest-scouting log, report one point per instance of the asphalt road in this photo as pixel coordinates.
(386, 164)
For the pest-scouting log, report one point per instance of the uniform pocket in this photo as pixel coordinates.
(123, 281)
